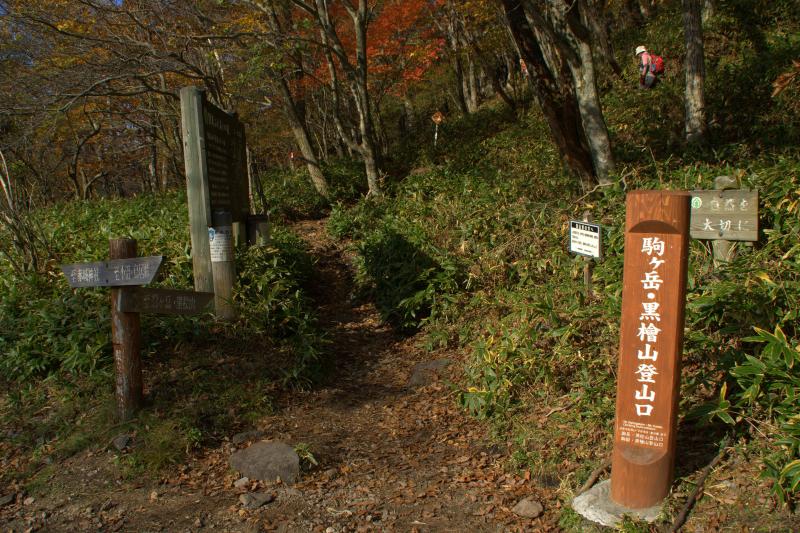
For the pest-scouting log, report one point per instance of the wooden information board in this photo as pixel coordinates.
(651, 342)
(226, 160)
(215, 155)
(730, 214)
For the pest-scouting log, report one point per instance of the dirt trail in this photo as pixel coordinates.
(392, 456)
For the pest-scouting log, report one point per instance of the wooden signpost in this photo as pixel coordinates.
(724, 215)
(651, 341)
(163, 301)
(113, 273)
(215, 155)
(124, 273)
(730, 214)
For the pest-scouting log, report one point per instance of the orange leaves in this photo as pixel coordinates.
(784, 80)
(402, 45)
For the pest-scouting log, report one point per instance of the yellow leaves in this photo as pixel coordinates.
(791, 205)
(763, 276)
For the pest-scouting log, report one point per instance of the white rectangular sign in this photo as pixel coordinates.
(221, 242)
(585, 238)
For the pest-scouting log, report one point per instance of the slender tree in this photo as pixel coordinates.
(695, 72)
(555, 41)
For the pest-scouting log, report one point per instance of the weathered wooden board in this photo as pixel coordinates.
(163, 301)
(226, 162)
(730, 214)
(113, 273)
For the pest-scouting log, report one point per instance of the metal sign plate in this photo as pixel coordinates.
(585, 238)
(113, 273)
(163, 301)
(730, 214)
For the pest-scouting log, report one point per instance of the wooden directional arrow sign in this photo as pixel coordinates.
(164, 301)
(113, 273)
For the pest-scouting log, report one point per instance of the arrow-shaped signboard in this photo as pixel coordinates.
(164, 301)
(113, 273)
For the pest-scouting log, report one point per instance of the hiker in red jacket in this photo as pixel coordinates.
(647, 75)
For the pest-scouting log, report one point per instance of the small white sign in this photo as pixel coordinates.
(221, 242)
(585, 238)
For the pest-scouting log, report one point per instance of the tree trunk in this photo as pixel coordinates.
(360, 91)
(408, 112)
(471, 89)
(557, 101)
(303, 142)
(695, 72)
(592, 118)
(597, 22)
(461, 95)
(371, 167)
(501, 92)
(708, 9)
(594, 126)
(152, 166)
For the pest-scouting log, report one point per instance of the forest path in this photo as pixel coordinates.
(394, 450)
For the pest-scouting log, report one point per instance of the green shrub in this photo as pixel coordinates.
(50, 328)
(406, 282)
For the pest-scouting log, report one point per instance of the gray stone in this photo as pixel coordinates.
(122, 441)
(254, 500)
(423, 373)
(8, 498)
(596, 505)
(267, 461)
(245, 436)
(528, 508)
(241, 483)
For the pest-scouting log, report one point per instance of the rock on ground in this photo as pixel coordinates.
(245, 436)
(267, 461)
(254, 500)
(122, 441)
(528, 508)
(423, 373)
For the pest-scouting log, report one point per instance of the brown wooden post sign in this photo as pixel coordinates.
(126, 337)
(124, 273)
(651, 343)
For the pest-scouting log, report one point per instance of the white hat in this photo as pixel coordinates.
(640, 49)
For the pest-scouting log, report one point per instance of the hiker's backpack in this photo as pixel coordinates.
(656, 64)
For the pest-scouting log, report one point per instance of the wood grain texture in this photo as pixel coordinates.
(126, 338)
(651, 342)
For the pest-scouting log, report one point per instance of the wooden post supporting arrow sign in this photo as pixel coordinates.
(124, 273)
